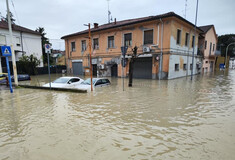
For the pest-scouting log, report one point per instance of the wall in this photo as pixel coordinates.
(107, 54)
(31, 44)
(210, 37)
(181, 60)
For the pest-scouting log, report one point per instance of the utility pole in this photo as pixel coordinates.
(89, 25)
(194, 41)
(12, 47)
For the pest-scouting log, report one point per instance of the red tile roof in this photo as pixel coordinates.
(129, 22)
(4, 25)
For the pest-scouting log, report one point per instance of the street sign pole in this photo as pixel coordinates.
(49, 73)
(48, 51)
(6, 52)
(9, 75)
(124, 50)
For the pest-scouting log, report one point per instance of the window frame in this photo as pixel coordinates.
(177, 67)
(82, 49)
(4, 38)
(185, 66)
(146, 30)
(113, 42)
(73, 49)
(193, 40)
(178, 37)
(187, 38)
(93, 44)
(130, 41)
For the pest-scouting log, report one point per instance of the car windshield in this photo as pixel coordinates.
(61, 80)
(88, 81)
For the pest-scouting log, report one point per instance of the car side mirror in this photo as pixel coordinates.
(69, 82)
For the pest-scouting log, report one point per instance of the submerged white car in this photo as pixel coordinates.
(65, 82)
(97, 82)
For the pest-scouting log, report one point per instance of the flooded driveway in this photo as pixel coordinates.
(175, 119)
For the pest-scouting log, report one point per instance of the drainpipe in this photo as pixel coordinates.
(160, 67)
(21, 39)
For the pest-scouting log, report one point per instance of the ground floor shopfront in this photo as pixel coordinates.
(146, 66)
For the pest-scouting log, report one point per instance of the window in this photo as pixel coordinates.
(18, 41)
(193, 41)
(176, 67)
(73, 46)
(213, 47)
(111, 42)
(205, 44)
(95, 43)
(185, 67)
(128, 39)
(148, 37)
(178, 36)
(186, 39)
(210, 48)
(83, 45)
(2, 39)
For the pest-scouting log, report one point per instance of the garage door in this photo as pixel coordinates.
(77, 68)
(143, 68)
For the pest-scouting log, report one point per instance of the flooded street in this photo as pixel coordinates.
(175, 119)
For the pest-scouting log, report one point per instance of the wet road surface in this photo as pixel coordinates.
(175, 119)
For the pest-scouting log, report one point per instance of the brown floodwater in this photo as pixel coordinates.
(175, 119)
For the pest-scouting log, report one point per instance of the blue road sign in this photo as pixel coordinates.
(6, 51)
(124, 49)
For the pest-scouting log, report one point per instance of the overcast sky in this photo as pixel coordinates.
(62, 17)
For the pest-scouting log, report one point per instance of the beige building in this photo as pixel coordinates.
(167, 33)
(207, 46)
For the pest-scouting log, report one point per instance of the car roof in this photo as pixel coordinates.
(69, 77)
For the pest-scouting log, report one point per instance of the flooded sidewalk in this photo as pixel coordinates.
(174, 119)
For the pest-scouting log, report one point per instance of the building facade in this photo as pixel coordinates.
(25, 41)
(169, 34)
(207, 46)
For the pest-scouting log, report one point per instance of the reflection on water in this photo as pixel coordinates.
(176, 119)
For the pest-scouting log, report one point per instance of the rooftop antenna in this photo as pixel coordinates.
(185, 10)
(109, 13)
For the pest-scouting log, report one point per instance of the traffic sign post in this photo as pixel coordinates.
(124, 50)
(48, 51)
(6, 52)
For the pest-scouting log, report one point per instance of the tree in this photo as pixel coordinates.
(224, 41)
(44, 41)
(28, 64)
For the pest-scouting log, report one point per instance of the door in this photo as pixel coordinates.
(77, 68)
(94, 69)
(211, 66)
(114, 70)
(143, 68)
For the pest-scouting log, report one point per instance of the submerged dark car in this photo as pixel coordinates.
(21, 77)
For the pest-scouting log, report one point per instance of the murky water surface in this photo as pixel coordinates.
(176, 119)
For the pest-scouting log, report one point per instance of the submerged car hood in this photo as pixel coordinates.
(56, 85)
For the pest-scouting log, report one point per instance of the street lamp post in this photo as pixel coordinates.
(89, 34)
(227, 53)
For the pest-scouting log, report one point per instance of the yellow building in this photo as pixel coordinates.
(207, 44)
(169, 34)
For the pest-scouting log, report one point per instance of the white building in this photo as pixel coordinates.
(24, 41)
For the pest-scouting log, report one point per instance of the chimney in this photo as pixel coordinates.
(96, 25)
(115, 21)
